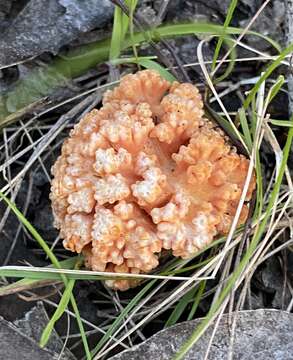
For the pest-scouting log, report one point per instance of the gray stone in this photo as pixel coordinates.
(14, 344)
(273, 278)
(33, 324)
(265, 26)
(46, 25)
(260, 334)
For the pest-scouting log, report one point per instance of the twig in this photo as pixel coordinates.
(162, 11)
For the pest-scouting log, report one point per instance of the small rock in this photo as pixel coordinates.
(33, 324)
(15, 344)
(260, 334)
(47, 25)
(273, 278)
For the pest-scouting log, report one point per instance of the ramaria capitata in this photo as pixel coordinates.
(144, 173)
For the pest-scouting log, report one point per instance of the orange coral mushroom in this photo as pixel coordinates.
(144, 173)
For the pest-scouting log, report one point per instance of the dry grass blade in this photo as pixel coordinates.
(26, 287)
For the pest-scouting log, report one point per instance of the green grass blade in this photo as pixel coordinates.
(180, 307)
(284, 123)
(228, 19)
(232, 57)
(197, 299)
(150, 64)
(259, 187)
(209, 29)
(58, 313)
(276, 88)
(132, 6)
(116, 40)
(245, 128)
(191, 267)
(131, 60)
(126, 21)
(253, 119)
(65, 264)
(120, 28)
(81, 328)
(266, 74)
(42, 274)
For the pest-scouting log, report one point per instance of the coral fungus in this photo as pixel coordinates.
(144, 173)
